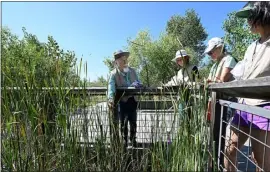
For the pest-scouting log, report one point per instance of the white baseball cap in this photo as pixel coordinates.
(180, 53)
(212, 43)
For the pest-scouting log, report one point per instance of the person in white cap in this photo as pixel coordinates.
(220, 72)
(224, 63)
(187, 73)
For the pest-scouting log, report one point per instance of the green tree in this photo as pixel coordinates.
(100, 82)
(109, 62)
(189, 30)
(28, 59)
(152, 58)
(237, 35)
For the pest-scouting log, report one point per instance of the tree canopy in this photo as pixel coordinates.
(237, 35)
(27, 59)
(152, 58)
(45, 62)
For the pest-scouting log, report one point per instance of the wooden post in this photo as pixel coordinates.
(215, 129)
(211, 138)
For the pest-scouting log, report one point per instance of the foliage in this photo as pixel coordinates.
(205, 70)
(189, 30)
(155, 56)
(46, 61)
(55, 130)
(152, 58)
(109, 62)
(44, 130)
(237, 35)
(100, 82)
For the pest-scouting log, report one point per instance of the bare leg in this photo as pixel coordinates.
(261, 152)
(236, 140)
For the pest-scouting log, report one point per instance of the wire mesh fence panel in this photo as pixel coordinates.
(156, 119)
(247, 140)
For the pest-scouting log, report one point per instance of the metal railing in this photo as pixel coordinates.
(224, 112)
(157, 111)
(157, 117)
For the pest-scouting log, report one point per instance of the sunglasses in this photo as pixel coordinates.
(210, 53)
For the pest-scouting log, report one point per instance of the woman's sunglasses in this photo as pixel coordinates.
(210, 53)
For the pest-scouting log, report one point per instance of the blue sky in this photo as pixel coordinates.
(94, 30)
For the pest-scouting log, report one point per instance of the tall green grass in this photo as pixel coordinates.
(39, 135)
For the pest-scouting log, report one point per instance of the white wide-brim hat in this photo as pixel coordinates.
(179, 54)
(120, 53)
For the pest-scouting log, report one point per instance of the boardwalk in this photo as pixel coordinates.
(151, 124)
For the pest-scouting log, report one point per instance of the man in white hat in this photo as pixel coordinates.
(123, 76)
(187, 73)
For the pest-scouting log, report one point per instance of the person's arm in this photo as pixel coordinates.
(137, 83)
(225, 74)
(209, 79)
(226, 71)
(171, 82)
(111, 87)
(174, 81)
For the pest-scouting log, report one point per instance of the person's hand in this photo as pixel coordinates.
(136, 84)
(208, 111)
(208, 81)
(110, 103)
(165, 85)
